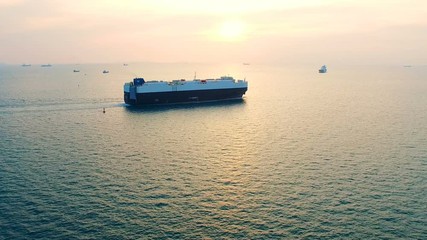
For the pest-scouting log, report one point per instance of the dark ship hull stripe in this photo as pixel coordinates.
(184, 96)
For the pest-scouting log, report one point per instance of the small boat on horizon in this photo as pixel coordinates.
(323, 69)
(46, 65)
(26, 65)
(75, 70)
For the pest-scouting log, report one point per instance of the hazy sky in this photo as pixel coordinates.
(267, 31)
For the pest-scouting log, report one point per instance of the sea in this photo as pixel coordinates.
(340, 155)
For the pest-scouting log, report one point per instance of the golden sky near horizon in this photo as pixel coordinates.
(270, 31)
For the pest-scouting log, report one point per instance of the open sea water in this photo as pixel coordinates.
(341, 155)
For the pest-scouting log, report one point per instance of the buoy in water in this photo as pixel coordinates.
(103, 110)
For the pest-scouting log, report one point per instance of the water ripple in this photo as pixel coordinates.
(335, 158)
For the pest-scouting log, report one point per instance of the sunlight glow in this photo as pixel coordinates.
(232, 30)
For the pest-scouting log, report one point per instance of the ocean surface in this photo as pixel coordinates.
(341, 155)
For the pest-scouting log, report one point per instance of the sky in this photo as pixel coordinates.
(232, 31)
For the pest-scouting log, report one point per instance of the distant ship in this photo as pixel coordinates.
(323, 69)
(26, 65)
(105, 71)
(46, 65)
(75, 70)
(140, 92)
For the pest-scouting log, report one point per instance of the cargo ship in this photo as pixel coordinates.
(140, 92)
